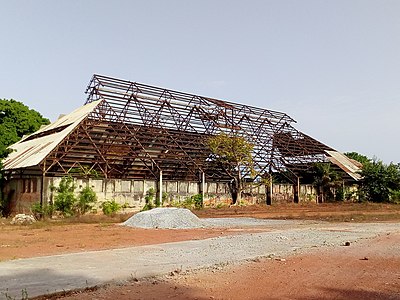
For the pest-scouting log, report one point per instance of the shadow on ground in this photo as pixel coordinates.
(28, 284)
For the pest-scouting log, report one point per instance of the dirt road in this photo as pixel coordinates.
(278, 240)
(366, 270)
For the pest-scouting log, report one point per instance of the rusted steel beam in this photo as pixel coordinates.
(138, 130)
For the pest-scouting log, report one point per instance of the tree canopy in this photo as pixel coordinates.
(381, 182)
(235, 155)
(17, 120)
(325, 178)
(358, 157)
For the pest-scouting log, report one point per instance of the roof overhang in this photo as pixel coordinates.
(348, 165)
(32, 149)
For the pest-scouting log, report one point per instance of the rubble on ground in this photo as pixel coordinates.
(22, 219)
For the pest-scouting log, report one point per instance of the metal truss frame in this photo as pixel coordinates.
(138, 131)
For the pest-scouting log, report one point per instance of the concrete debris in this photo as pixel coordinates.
(165, 218)
(280, 259)
(22, 219)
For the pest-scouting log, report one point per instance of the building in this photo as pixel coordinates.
(129, 137)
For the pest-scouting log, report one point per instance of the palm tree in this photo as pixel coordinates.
(325, 179)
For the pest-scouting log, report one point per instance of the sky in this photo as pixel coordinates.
(332, 65)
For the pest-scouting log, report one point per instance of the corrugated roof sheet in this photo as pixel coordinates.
(32, 149)
(352, 168)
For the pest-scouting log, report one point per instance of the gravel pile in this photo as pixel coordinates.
(165, 217)
(182, 218)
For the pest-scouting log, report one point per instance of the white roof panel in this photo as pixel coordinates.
(30, 151)
(345, 163)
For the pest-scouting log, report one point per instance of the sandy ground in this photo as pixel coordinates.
(366, 270)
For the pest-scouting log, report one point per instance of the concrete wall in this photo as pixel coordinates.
(21, 194)
(131, 193)
(284, 193)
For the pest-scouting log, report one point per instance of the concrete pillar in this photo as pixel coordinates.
(296, 191)
(160, 189)
(42, 190)
(203, 185)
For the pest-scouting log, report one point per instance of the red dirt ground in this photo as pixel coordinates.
(55, 237)
(333, 274)
(366, 270)
(23, 242)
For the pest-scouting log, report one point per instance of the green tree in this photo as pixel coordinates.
(380, 181)
(3, 202)
(325, 179)
(358, 157)
(234, 154)
(17, 120)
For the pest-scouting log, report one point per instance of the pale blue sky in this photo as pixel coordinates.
(334, 66)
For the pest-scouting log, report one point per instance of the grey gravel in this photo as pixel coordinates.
(166, 218)
(182, 218)
(245, 222)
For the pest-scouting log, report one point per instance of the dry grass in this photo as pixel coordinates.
(335, 212)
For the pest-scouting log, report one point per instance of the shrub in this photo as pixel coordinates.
(39, 211)
(86, 200)
(164, 197)
(66, 202)
(65, 198)
(149, 199)
(221, 205)
(188, 203)
(110, 207)
(193, 202)
(147, 206)
(395, 196)
(197, 200)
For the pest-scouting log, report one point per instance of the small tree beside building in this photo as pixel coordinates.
(234, 154)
